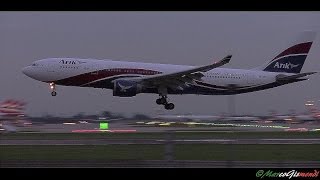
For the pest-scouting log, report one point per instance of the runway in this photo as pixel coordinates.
(157, 141)
(160, 163)
(179, 149)
(219, 147)
(132, 126)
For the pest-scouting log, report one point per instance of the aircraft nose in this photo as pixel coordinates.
(26, 70)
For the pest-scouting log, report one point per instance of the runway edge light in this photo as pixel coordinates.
(104, 125)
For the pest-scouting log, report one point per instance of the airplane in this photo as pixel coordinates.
(127, 79)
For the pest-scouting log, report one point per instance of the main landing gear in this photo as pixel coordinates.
(53, 89)
(163, 101)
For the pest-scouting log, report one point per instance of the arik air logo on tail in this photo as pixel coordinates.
(285, 65)
(289, 64)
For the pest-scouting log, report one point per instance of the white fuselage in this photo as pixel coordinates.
(100, 73)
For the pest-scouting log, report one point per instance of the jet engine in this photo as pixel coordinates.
(126, 88)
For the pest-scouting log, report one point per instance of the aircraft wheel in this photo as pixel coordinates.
(169, 106)
(158, 101)
(53, 93)
(161, 101)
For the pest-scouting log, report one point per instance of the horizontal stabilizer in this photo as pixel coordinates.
(282, 77)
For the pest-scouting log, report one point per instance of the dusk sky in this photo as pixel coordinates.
(186, 38)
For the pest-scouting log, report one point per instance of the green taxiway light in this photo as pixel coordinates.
(104, 125)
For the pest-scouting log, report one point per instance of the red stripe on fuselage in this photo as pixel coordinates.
(101, 74)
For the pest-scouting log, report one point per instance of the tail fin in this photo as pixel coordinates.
(292, 59)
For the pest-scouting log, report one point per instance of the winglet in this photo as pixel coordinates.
(224, 60)
(215, 64)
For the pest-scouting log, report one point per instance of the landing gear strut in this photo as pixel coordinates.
(53, 89)
(163, 101)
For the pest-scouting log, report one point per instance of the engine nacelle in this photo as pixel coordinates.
(125, 88)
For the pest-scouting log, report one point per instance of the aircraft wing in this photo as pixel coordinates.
(286, 78)
(178, 80)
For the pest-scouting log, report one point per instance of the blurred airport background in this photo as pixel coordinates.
(164, 140)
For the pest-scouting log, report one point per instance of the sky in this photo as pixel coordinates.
(187, 38)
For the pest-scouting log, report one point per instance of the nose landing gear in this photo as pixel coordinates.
(53, 89)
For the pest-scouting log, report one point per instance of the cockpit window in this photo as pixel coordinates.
(34, 64)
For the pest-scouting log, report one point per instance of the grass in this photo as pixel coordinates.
(105, 135)
(219, 152)
(81, 152)
(160, 135)
(248, 135)
(249, 152)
